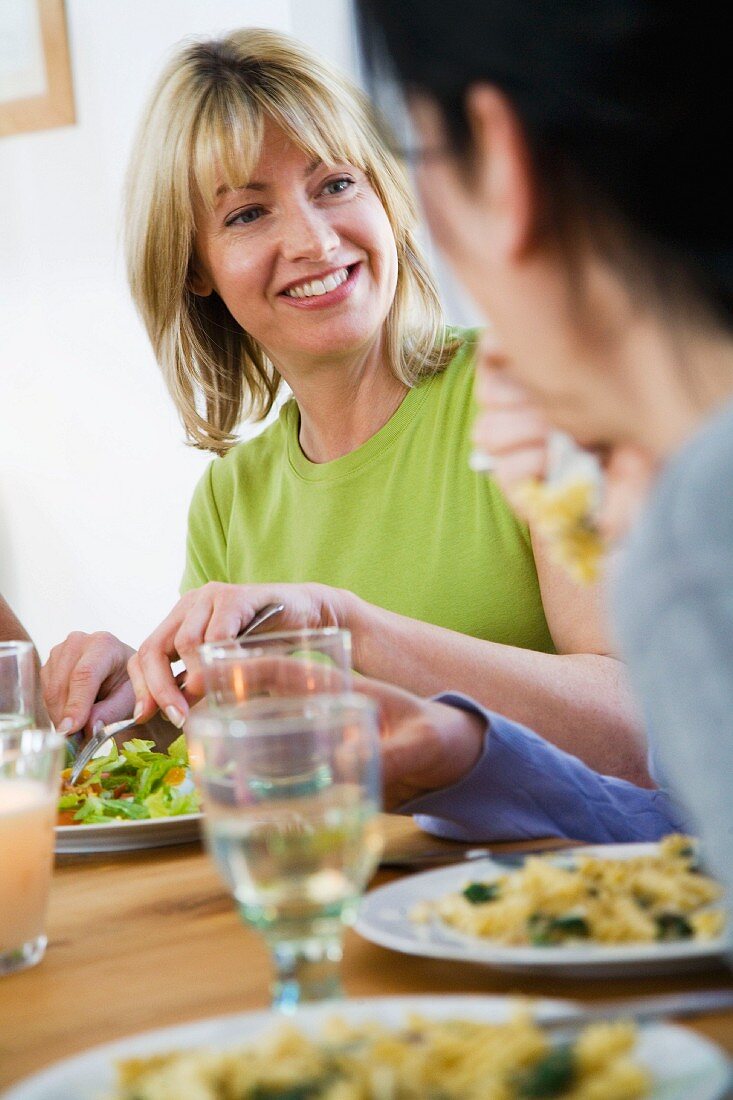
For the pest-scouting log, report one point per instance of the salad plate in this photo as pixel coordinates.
(683, 1064)
(129, 798)
(126, 836)
(386, 917)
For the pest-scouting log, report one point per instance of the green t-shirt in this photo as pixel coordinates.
(401, 521)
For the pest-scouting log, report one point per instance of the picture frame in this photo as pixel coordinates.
(36, 90)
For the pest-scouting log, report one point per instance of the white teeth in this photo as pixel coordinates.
(319, 286)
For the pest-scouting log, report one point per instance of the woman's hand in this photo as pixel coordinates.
(628, 474)
(214, 613)
(510, 429)
(514, 433)
(85, 682)
(424, 745)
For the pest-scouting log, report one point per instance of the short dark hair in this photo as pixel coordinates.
(626, 107)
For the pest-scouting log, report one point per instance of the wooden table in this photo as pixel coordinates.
(148, 939)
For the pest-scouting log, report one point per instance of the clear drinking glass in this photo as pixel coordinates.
(293, 662)
(17, 686)
(291, 789)
(30, 763)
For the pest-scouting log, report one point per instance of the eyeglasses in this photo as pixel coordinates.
(394, 123)
(414, 157)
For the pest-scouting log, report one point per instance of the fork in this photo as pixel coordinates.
(104, 733)
(639, 1009)
(417, 860)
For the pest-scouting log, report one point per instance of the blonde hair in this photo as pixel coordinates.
(206, 121)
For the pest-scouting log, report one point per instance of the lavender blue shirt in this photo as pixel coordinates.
(523, 787)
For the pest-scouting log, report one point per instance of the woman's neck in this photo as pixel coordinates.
(343, 403)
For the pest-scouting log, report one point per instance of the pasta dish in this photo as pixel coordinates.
(658, 897)
(439, 1060)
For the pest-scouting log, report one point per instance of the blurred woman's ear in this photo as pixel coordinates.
(501, 174)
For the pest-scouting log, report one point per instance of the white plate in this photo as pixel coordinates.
(685, 1066)
(124, 836)
(384, 918)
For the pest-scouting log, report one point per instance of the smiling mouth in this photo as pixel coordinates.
(316, 288)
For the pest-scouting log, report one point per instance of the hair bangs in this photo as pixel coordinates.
(226, 143)
(320, 126)
(230, 131)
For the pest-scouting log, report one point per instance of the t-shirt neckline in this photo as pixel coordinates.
(363, 455)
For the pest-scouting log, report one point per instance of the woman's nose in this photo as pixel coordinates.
(308, 235)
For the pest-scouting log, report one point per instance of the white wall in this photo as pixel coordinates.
(94, 477)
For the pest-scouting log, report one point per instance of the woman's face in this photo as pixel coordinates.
(302, 254)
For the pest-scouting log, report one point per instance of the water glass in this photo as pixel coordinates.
(17, 686)
(30, 763)
(293, 662)
(291, 788)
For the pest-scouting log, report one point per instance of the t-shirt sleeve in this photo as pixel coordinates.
(523, 787)
(206, 540)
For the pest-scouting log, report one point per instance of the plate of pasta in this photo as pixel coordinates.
(458, 1048)
(591, 912)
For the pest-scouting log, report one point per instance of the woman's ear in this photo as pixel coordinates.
(198, 281)
(502, 169)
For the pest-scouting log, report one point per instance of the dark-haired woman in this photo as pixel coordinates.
(574, 172)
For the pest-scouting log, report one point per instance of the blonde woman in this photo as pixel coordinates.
(271, 239)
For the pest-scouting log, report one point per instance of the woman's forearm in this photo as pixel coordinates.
(11, 628)
(580, 702)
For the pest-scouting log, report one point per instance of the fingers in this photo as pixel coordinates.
(85, 669)
(510, 428)
(150, 671)
(628, 474)
(213, 612)
(516, 440)
(56, 673)
(191, 633)
(154, 684)
(119, 704)
(497, 389)
(434, 746)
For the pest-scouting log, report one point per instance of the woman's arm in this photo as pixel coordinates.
(578, 699)
(11, 629)
(522, 786)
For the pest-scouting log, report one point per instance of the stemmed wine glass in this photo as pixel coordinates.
(291, 789)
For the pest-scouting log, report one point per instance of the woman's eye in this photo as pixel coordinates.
(245, 217)
(337, 187)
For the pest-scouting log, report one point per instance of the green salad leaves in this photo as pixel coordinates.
(130, 785)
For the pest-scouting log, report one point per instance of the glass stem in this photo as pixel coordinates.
(306, 970)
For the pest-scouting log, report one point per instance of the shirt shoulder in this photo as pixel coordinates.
(248, 466)
(450, 393)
